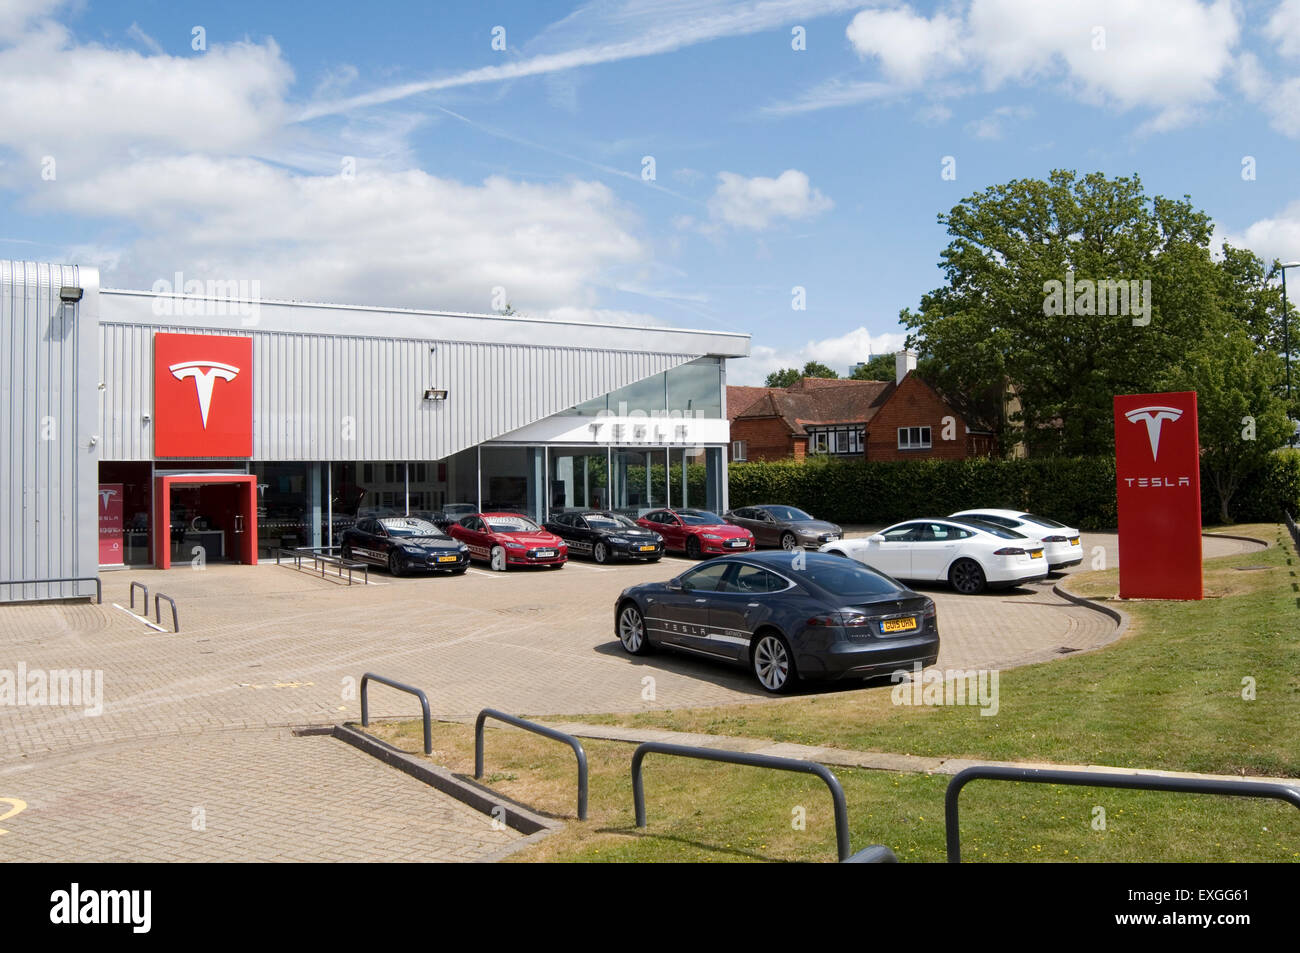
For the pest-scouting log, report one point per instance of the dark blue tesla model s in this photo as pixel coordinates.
(788, 616)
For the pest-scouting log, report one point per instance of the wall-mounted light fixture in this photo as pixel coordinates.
(70, 295)
(434, 393)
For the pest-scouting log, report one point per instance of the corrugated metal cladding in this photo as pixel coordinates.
(48, 409)
(340, 397)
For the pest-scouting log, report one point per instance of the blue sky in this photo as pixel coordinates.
(387, 154)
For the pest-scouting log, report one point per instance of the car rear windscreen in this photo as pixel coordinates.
(1042, 521)
(788, 513)
(847, 579)
(700, 518)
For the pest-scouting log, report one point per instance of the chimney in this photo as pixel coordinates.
(904, 362)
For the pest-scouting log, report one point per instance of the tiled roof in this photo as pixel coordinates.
(816, 402)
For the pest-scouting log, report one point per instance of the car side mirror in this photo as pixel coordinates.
(674, 585)
(878, 538)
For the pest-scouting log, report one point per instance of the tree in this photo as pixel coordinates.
(879, 368)
(1238, 380)
(789, 375)
(1070, 291)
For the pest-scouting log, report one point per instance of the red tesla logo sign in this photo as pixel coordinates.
(1158, 485)
(203, 395)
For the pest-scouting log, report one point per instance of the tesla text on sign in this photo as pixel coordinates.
(1158, 484)
(203, 395)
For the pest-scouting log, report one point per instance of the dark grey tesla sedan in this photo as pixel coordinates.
(786, 526)
(787, 616)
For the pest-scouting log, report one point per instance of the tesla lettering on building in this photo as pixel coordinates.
(1158, 485)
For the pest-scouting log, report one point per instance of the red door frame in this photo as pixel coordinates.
(162, 509)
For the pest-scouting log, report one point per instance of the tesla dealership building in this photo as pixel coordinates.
(143, 428)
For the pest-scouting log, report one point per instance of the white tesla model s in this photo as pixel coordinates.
(1060, 542)
(972, 556)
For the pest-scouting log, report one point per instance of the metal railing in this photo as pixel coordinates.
(139, 585)
(750, 760)
(322, 557)
(536, 729)
(99, 588)
(875, 854)
(424, 704)
(1099, 779)
(157, 611)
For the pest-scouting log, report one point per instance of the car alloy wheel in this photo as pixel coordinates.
(499, 558)
(967, 577)
(394, 564)
(693, 548)
(600, 553)
(788, 541)
(773, 665)
(631, 630)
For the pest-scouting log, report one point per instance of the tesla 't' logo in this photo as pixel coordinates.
(1153, 417)
(105, 496)
(205, 374)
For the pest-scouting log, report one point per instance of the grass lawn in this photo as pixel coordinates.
(1168, 695)
(697, 811)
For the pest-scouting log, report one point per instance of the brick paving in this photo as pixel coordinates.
(266, 646)
(252, 795)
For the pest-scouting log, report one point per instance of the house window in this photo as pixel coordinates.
(841, 441)
(738, 450)
(913, 438)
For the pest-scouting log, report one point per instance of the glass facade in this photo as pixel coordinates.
(312, 503)
(693, 389)
(289, 506)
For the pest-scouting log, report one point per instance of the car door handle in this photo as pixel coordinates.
(701, 600)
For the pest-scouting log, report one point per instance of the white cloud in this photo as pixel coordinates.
(991, 126)
(188, 163)
(396, 238)
(838, 353)
(608, 32)
(79, 103)
(1167, 56)
(1275, 237)
(910, 48)
(1283, 27)
(831, 94)
(758, 202)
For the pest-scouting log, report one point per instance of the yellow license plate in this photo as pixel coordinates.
(447, 559)
(1074, 541)
(898, 625)
(647, 549)
(1035, 554)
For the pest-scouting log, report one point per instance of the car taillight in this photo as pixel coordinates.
(845, 618)
(1056, 539)
(1009, 551)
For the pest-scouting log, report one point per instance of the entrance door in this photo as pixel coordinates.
(212, 513)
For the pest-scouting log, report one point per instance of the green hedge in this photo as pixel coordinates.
(1079, 491)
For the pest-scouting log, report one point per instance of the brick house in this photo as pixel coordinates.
(881, 420)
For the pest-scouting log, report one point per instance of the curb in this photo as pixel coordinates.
(1245, 539)
(1120, 617)
(516, 816)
